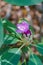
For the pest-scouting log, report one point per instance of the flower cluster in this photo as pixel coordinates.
(23, 28)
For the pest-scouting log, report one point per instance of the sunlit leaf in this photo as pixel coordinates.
(11, 57)
(10, 27)
(23, 2)
(39, 47)
(34, 60)
(9, 39)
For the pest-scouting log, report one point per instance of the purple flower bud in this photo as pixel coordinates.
(28, 32)
(23, 28)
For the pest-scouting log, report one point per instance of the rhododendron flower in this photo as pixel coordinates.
(23, 28)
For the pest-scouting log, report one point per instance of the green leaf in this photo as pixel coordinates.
(24, 49)
(19, 63)
(1, 33)
(39, 47)
(24, 2)
(10, 39)
(9, 26)
(24, 63)
(34, 60)
(42, 40)
(0, 59)
(11, 57)
(3, 50)
(32, 29)
(41, 57)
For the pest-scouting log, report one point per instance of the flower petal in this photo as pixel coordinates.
(23, 26)
(18, 31)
